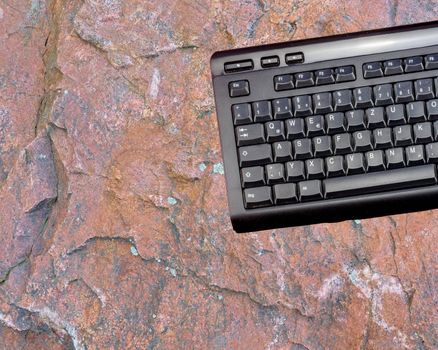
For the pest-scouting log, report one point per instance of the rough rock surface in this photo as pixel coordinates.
(114, 231)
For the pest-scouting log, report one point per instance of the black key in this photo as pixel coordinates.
(432, 61)
(324, 76)
(375, 118)
(355, 120)
(362, 141)
(262, 111)
(295, 128)
(432, 109)
(293, 58)
(315, 168)
(403, 135)
(435, 130)
(383, 95)
(310, 190)
(414, 64)
(423, 133)
(335, 166)
(395, 115)
(274, 173)
(432, 152)
(343, 100)
(355, 163)
(282, 151)
(302, 106)
(255, 155)
(372, 70)
(335, 123)
(342, 143)
(363, 97)
(283, 82)
(404, 92)
(239, 88)
(253, 176)
(275, 131)
(375, 161)
(380, 181)
(322, 146)
(345, 74)
(282, 108)
(285, 194)
(415, 155)
(242, 113)
(304, 79)
(302, 149)
(250, 134)
(394, 158)
(232, 67)
(392, 67)
(424, 89)
(382, 138)
(272, 61)
(295, 171)
(323, 102)
(315, 125)
(257, 197)
(416, 112)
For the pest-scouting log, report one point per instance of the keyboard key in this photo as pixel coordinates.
(362, 141)
(414, 64)
(239, 88)
(376, 182)
(282, 108)
(403, 92)
(372, 70)
(403, 135)
(282, 151)
(335, 123)
(310, 190)
(293, 58)
(285, 194)
(315, 125)
(295, 171)
(424, 89)
(415, 155)
(335, 166)
(342, 144)
(322, 146)
(302, 106)
(345, 74)
(242, 113)
(275, 173)
(432, 152)
(343, 100)
(250, 134)
(315, 168)
(363, 97)
(302, 149)
(355, 120)
(432, 109)
(295, 128)
(324, 76)
(304, 79)
(257, 197)
(255, 155)
(435, 130)
(396, 115)
(375, 118)
(323, 102)
(375, 161)
(272, 61)
(382, 138)
(240, 66)
(262, 111)
(355, 163)
(416, 112)
(393, 67)
(432, 61)
(383, 95)
(274, 131)
(283, 82)
(253, 176)
(394, 158)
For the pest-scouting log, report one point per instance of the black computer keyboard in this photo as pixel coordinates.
(328, 129)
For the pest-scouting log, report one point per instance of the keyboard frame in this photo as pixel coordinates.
(352, 44)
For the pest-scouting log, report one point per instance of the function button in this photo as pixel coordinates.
(262, 111)
(283, 82)
(414, 64)
(258, 197)
(239, 88)
(242, 113)
(250, 134)
(253, 176)
(272, 61)
(432, 61)
(293, 58)
(240, 66)
(304, 79)
(393, 67)
(345, 74)
(372, 70)
(324, 76)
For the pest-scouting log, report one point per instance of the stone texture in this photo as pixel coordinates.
(114, 228)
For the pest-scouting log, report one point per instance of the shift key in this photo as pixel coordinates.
(255, 155)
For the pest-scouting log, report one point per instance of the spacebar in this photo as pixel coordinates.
(380, 181)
